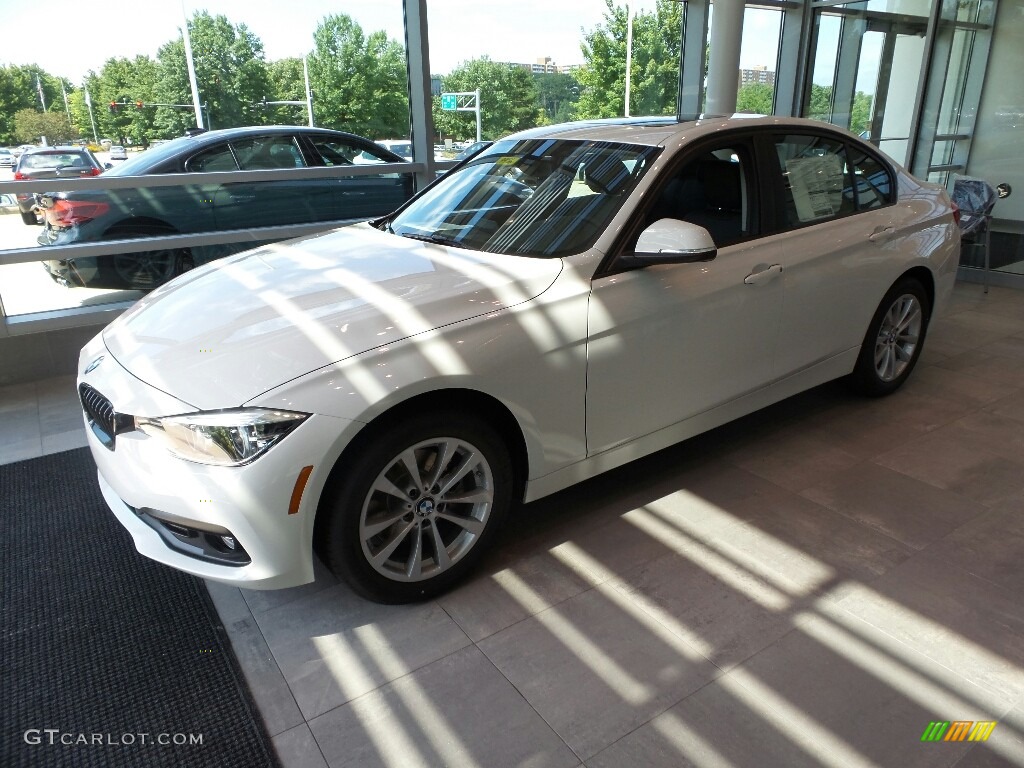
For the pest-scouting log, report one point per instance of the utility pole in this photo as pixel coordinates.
(630, 10)
(39, 87)
(309, 93)
(196, 104)
(92, 120)
(65, 92)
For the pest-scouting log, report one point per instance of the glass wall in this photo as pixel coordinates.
(996, 152)
(865, 69)
(122, 110)
(934, 83)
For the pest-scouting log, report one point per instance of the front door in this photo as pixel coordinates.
(671, 341)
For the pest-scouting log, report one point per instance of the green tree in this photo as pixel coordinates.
(860, 113)
(654, 72)
(231, 74)
(19, 90)
(287, 83)
(119, 80)
(819, 106)
(508, 100)
(359, 82)
(756, 98)
(557, 95)
(31, 125)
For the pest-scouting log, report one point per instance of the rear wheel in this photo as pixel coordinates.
(894, 339)
(148, 269)
(415, 511)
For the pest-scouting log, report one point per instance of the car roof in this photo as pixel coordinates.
(219, 134)
(663, 130)
(62, 148)
(144, 162)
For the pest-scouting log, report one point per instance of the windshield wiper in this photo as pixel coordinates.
(436, 239)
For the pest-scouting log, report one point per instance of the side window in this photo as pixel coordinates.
(264, 153)
(711, 190)
(218, 158)
(332, 151)
(874, 183)
(815, 180)
(369, 156)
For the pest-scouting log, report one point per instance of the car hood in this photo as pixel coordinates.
(223, 334)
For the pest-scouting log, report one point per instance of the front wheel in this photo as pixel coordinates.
(30, 218)
(894, 339)
(416, 509)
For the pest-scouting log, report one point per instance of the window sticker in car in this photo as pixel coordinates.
(817, 185)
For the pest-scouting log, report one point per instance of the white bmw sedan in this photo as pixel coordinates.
(569, 300)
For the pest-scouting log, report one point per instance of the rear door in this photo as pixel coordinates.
(359, 197)
(243, 204)
(834, 223)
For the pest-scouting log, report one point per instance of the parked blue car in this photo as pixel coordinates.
(113, 214)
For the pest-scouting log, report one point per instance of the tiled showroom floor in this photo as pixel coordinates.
(809, 586)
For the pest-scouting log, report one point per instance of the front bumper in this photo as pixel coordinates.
(140, 481)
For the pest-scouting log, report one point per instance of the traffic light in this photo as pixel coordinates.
(114, 107)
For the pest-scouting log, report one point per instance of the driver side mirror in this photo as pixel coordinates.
(671, 241)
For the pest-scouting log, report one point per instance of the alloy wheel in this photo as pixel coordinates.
(898, 336)
(426, 509)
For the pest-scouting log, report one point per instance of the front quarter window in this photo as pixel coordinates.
(536, 197)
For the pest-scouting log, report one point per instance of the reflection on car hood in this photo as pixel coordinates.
(223, 334)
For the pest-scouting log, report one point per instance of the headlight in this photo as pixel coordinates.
(223, 438)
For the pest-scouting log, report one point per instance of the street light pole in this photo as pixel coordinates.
(478, 114)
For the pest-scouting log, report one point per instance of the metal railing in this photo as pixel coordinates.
(14, 325)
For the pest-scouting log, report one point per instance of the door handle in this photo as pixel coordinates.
(763, 274)
(881, 234)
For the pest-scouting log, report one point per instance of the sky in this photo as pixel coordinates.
(459, 30)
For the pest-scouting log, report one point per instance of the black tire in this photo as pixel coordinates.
(894, 339)
(30, 218)
(356, 508)
(147, 270)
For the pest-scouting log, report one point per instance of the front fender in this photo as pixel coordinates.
(531, 358)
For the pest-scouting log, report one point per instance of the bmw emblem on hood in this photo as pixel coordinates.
(93, 365)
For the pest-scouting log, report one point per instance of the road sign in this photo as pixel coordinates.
(449, 101)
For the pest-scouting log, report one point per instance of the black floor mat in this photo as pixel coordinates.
(108, 659)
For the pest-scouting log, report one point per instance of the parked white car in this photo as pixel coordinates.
(569, 300)
(117, 152)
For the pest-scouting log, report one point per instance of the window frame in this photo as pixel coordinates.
(775, 188)
(756, 198)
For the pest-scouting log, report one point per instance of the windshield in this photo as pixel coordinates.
(536, 197)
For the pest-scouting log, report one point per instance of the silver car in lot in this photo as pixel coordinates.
(570, 299)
